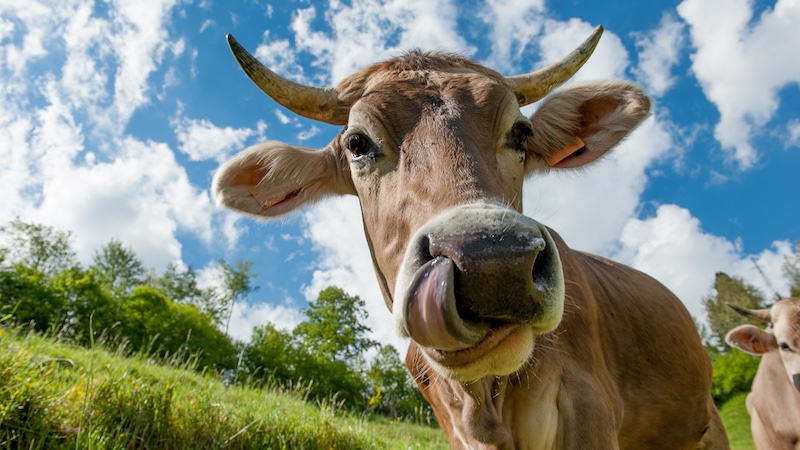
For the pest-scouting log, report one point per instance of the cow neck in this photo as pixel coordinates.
(481, 413)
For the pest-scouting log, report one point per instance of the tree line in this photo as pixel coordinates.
(119, 302)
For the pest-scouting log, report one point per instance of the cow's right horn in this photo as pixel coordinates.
(534, 86)
(322, 104)
(759, 315)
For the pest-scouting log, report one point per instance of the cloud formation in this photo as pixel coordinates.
(742, 62)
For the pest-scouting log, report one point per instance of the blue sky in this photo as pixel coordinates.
(115, 114)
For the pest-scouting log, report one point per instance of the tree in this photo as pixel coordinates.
(92, 310)
(153, 323)
(237, 283)
(395, 393)
(37, 247)
(26, 294)
(722, 318)
(333, 326)
(733, 372)
(277, 357)
(791, 268)
(270, 356)
(118, 267)
(181, 286)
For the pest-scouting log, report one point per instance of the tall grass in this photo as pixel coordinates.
(54, 395)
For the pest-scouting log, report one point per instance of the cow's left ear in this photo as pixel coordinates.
(272, 178)
(580, 123)
(751, 339)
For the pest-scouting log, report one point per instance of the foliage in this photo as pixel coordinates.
(156, 325)
(118, 268)
(37, 247)
(334, 327)
(181, 286)
(26, 293)
(721, 318)
(88, 303)
(791, 268)
(237, 282)
(734, 371)
(168, 316)
(277, 357)
(396, 394)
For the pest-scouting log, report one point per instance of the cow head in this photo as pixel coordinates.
(436, 149)
(782, 336)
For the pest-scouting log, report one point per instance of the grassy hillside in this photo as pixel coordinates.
(737, 423)
(57, 396)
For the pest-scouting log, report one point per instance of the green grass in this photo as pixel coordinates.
(737, 423)
(58, 396)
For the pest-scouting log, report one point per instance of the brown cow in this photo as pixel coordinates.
(774, 401)
(517, 341)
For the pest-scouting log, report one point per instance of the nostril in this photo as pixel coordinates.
(540, 273)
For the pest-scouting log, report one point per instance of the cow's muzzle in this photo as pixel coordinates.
(474, 270)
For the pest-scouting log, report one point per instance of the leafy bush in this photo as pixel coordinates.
(733, 374)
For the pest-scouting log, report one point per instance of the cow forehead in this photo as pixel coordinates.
(786, 317)
(467, 104)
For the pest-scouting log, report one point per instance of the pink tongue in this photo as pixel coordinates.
(431, 316)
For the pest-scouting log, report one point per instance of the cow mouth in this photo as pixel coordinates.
(433, 320)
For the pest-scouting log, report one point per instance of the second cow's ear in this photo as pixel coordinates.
(272, 178)
(751, 339)
(580, 123)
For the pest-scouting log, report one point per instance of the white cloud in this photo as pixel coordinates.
(589, 207)
(279, 56)
(742, 65)
(246, 316)
(367, 31)
(659, 52)
(140, 197)
(793, 128)
(514, 24)
(202, 140)
(673, 248)
(67, 161)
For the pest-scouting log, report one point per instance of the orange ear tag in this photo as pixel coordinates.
(264, 205)
(561, 154)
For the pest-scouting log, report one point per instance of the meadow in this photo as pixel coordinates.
(55, 395)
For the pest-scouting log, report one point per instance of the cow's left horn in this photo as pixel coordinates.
(315, 103)
(759, 315)
(535, 85)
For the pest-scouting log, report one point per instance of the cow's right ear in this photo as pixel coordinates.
(751, 339)
(272, 178)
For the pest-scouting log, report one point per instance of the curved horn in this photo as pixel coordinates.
(759, 315)
(310, 102)
(534, 86)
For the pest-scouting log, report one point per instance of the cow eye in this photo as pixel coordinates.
(357, 144)
(520, 133)
(785, 347)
